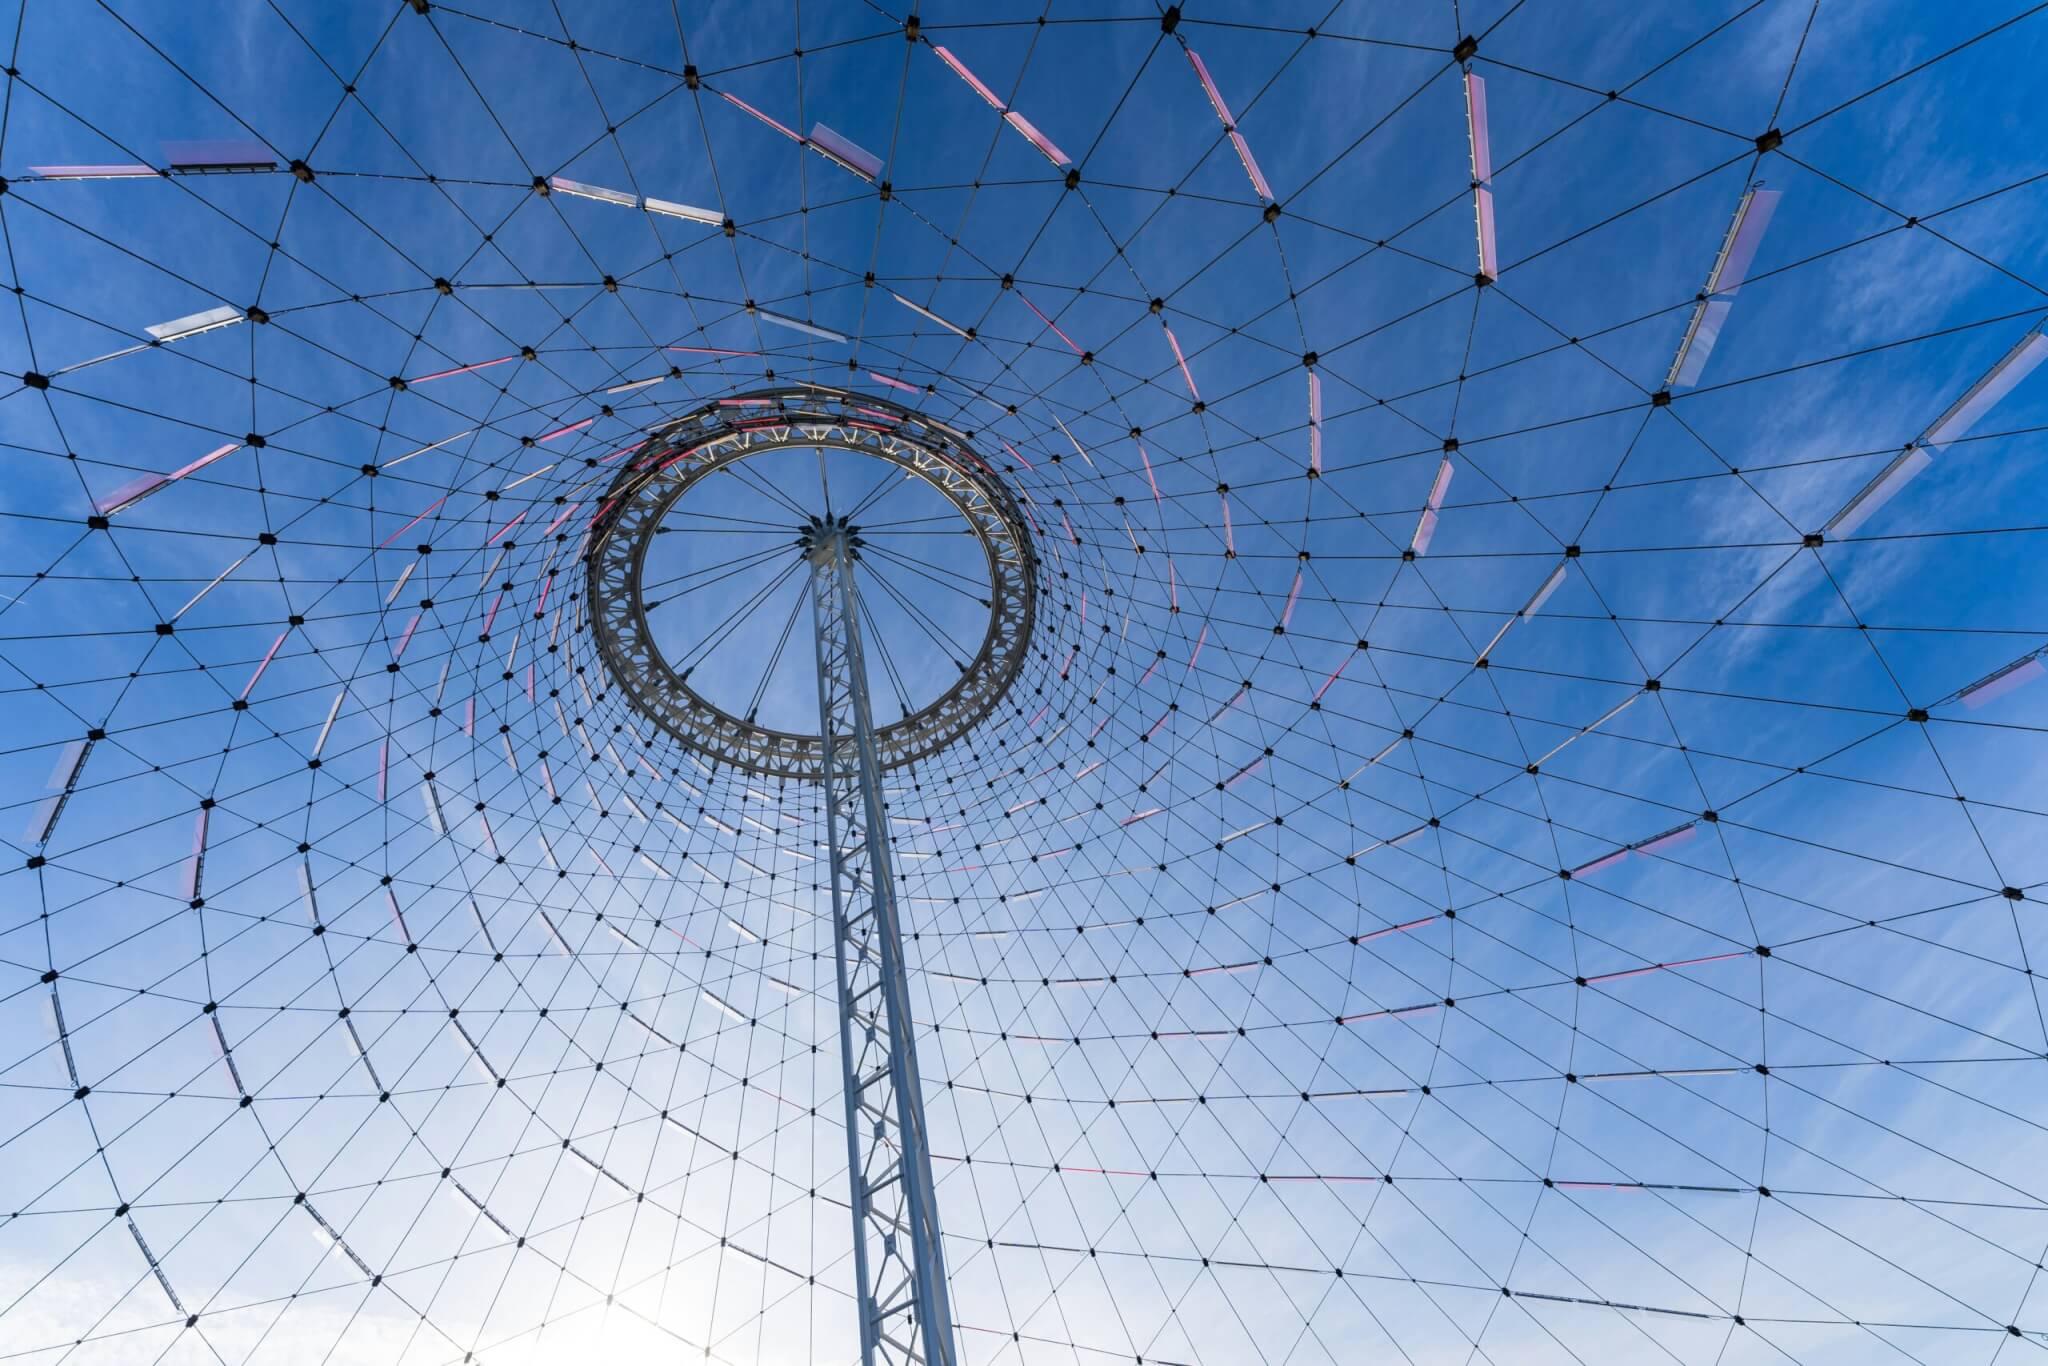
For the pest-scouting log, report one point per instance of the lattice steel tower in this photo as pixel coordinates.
(899, 1262)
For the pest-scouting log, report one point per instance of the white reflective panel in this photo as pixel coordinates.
(192, 324)
(2015, 365)
(798, 325)
(709, 217)
(118, 171)
(596, 192)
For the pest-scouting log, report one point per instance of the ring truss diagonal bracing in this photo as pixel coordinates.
(1449, 598)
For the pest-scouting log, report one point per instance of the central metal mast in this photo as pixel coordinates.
(898, 1261)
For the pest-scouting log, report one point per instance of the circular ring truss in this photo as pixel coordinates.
(682, 455)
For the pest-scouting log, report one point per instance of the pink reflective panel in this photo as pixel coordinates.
(1245, 772)
(1180, 360)
(2013, 367)
(1482, 210)
(1054, 326)
(709, 351)
(129, 494)
(403, 640)
(846, 152)
(1396, 929)
(1293, 596)
(1251, 165)
(203, 461)
(413, 523)
(1425, 532)
(740, 104)
(1037, 139)
(1753, 218)
(1209, 87)
(564, 431)
(509, 525)
(1669, 839)
(383, 765)
(2011, 677)
(1441, 485)
(892, 383)
(1475, 123)
(462, 369)
(1335, 674)
(960, 70)
(268, 656)
(1606, 861)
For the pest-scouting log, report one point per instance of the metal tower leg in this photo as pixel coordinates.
(898, 1261)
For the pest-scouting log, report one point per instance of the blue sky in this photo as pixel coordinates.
(1166, 750)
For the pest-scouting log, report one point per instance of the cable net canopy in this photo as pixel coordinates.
(1516, 834)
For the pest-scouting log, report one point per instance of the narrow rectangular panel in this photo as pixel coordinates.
(1745, 235)
(1315, 422)
(596, 192)
(740, 104)
(219, 156)
(798, 325)
(669, 208)
(1731, 267)
(2012, 676)
(1669, 839)
(1479, 139)
(1250, 164)
(192, 324)
(1542, 595)
(1482, 213)
(846, 152)
(2014, 366)
(974, 82)
(1879, 491)
(927, 314)
(1425, 527)
(458, 370)
(119, 171)
(1045, 145)
(1181, 360)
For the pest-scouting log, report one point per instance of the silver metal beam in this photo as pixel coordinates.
(898, 1261)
